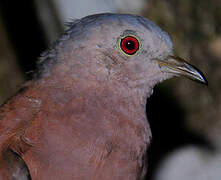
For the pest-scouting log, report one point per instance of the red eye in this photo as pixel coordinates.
(129, 45)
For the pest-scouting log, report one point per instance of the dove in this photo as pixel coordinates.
(83, 115)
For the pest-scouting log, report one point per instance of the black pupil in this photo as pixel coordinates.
(130, 45)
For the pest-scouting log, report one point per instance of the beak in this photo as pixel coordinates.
(180, 67)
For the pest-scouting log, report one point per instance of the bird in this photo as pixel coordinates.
(83, 115)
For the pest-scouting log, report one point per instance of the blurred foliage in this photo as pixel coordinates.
(195, 27)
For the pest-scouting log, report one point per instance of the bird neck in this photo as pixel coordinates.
(95, 78)
(110, 102)
(67, 83)
(95, 87)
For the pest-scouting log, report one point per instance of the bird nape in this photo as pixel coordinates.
(83, 114)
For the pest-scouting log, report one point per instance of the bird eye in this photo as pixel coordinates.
(129, 45)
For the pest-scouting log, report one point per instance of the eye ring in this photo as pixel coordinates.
(129, 45)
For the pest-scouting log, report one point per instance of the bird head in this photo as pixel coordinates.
(122, 47)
